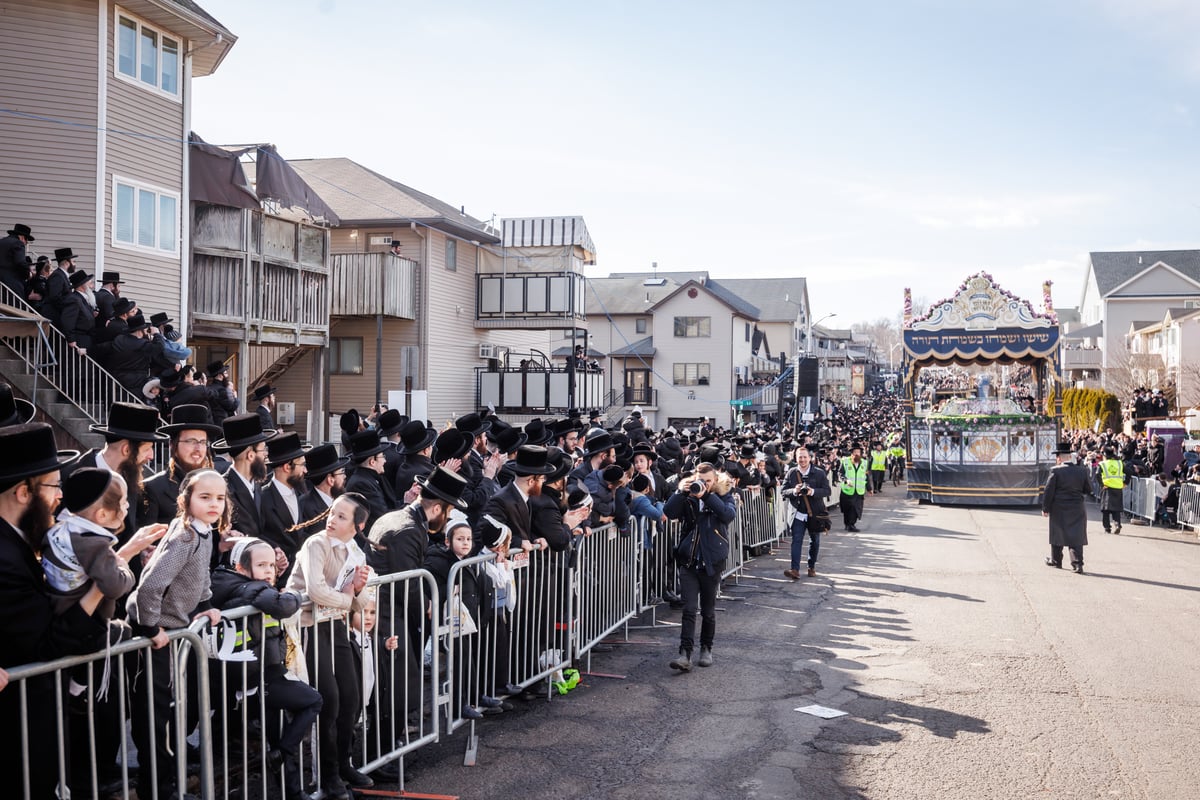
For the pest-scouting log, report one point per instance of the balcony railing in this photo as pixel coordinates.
(759, 396)
(258, 273)
(529, 299)
(537, 391)
(1082, 359)
(639, 396)
(364, 284)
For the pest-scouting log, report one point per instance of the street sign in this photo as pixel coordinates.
(743, 402)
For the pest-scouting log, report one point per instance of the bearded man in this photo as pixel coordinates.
(191, 430)
(244, 442)
(280, 502)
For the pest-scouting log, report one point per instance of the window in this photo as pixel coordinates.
(451, 255)
(345, 356)
(690, 374)
(693, 326)
(639, 325)
(747, 331)
(148, 56)
(145, 217)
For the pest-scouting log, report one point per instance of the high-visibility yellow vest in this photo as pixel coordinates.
(1112, 473)
(878, 460)
(897, 452)
(854, 480)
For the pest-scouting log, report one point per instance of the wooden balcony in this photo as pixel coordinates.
(529, 300)
(363, 284)
(257, 275)
(538, 391)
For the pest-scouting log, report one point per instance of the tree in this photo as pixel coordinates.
(883, 333)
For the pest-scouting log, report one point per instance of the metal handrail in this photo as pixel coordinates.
(82, 382)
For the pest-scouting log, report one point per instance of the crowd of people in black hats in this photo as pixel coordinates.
(99, 546)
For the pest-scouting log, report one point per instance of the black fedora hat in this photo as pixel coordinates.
(415, 437)
(450, 443)
(644, 449)
(537, 432)
(322, 460)
(121, 305)
(262, 391)
(79, 278)
(597, 441)
(1063, 448)
(365, 444)
(747, 451)
(241, 431)
(131, 421)
(137, 323)
(27, 450)
(350, 421)
(284, 448)
(391, 421)
(565, 426)
(64, 254)
(191, 417)
(444, 485)
(110, 277)
(531, 460)
(560, 461)
(473, 425)
(215, 368)
(22, 230)
(507, 438)
(13, 410)
(160, 319)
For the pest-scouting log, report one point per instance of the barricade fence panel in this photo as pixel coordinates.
(362, 688)
(1188, 513)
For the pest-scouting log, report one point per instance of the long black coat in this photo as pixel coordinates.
(277, 521)
(246, 516)
(509, 507)
(58, 289)
(13, 269)
(1063, 501)
(77, 320)
(372, 486)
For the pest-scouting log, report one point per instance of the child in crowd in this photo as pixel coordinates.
(332, 571)
(175, 589)
(251, 582)
(362, 623)
(494, 643)
(648, 513)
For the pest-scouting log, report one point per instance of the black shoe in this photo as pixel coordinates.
(852, 529)
(471, 712)
(355, 779)
(1117, 530)
(676, 604)
(683, 661)
(705, 659)
(671, 597)
(335, 790)
(1078, 568)
(1052, 563)
(388, 773)
(274, 761)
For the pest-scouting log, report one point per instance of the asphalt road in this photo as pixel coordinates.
(967, 668)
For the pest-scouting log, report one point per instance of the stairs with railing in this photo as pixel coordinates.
(67, 386)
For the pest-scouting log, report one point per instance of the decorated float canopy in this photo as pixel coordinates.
(980, 324)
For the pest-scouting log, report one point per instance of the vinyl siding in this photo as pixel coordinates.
(718, 351)
(155, 158)
(47, 169)
(358, 391)
(452, 350)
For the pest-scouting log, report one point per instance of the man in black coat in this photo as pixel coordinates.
(389, 424)
(77, 318)
(416, 444)
(222, 399)
(58, 285)
(29, 491)
(806, 488)
(366, 451)
(192, 431)
(123, 309)
(13, 269)
(1062, 502)
(280, 503)
(327, 479)
(480, 466)
(244, 442)
(106, 297)
(511, 504)
(264, 398)
(129, 356)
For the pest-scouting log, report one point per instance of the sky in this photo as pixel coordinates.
(868, 145)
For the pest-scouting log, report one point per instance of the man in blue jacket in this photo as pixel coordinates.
(806, 487)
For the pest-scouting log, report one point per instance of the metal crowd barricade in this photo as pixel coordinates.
(758, 528)
(1188, 513)
(73, 715)
(605, 570)
(542, 624)
(1139, 499)
(737, 538)
(657, 556)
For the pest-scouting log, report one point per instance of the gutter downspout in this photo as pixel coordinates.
(101, 127)
(185, 207)
(423, 327)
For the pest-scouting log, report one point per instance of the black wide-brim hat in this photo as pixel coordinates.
(507, 438)
(444, 485)
(322, 460)
(64, 254)
(27, 450)
(79, 279)
(365, 444)
(191, 417)
(262, 391)
(22, 230)
(537, 432)
(560, 461)
(1063, 448)
(284, 448)
(241, 431)
(645, 450)
(565, 426)
(13, 410)
(473, 425)
(131, 421)
(451, 443)
(599, 443)
(391, 421)
(415, 437)
(531, 460)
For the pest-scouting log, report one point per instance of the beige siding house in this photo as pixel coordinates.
(99, 150)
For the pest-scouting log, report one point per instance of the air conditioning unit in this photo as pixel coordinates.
(487, 351)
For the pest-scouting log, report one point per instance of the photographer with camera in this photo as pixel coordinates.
(705, 505)
(806, 487)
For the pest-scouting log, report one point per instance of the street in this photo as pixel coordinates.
(967, 668)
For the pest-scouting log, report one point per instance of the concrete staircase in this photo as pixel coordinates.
(69, 422)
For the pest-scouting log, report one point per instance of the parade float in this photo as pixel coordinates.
(985, 449)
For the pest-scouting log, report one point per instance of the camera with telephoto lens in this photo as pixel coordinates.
(696, 487)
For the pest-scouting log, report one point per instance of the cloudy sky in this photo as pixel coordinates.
(867, 145)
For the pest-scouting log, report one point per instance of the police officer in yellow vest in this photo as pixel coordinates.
(1112, 481)
(878, 467)
(897, 455)
(854, 486)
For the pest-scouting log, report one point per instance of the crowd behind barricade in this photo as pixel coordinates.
(313, 574)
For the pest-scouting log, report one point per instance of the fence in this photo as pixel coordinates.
(420, 672)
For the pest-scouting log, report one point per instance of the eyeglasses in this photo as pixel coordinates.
(194, 442)
(55, 486)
